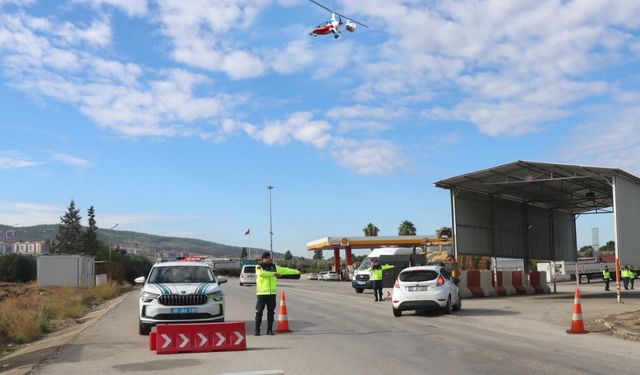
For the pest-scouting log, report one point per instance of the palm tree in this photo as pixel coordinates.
(370, 230)
(406, 228)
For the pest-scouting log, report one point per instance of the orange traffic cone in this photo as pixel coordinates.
(577, 326)
(283, 321)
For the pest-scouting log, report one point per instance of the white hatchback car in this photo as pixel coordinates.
(180, 292)
(248, 274)
(423, 288)
(332, 276)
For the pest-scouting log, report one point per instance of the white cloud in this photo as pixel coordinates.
(612, 139)
(499, 61)
(295, 56)
(27, 214)
(299, 126)
(16, 162)
(71, 160)
(131, 7)
(199, 29)
(370, 157)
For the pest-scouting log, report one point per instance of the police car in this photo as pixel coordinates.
(180, 292)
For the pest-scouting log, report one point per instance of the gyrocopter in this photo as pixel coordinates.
(333, 25)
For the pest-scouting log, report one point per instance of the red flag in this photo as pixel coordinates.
(247, 232)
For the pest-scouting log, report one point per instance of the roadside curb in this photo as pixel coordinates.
(28, 358)
(620, 331)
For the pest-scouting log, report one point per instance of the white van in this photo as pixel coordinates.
(248, 274)
(362, 276)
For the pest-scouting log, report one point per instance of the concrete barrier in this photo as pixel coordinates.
(505, 279)
(462, 286)
(474, 284)
(538, 282)
(521, 283)
(486, 283)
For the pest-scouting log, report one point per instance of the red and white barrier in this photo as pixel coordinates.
(521, 283)
(537, 280)
(486, 283)
(462, 286)
(474, 283)
(506, 281)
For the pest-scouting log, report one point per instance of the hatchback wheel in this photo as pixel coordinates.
(449, 307)
(397, 312)
(359, 290)
(458, 306)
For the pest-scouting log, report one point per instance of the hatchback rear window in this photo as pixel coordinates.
(418, 275)
(251, 269)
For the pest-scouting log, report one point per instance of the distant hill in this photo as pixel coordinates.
(143, 242)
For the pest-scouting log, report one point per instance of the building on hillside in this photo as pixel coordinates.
(30, 248)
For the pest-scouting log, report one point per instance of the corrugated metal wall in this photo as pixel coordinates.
(519, 230)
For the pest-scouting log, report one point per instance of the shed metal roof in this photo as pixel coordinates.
(570, 188)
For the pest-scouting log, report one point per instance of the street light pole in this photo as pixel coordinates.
(270, 223)
(111, 264)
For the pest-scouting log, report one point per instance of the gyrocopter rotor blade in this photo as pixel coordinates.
(338, 14)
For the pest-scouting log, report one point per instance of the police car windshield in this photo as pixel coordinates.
(181, 275)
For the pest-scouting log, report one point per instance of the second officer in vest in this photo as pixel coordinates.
(265, 292)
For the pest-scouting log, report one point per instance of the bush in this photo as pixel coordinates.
(18, 268)
(234, 272)
(129, 267)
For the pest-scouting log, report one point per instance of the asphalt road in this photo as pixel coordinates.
(339, 332)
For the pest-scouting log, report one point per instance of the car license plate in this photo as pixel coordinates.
(417, 288)
(361, 282)
(183, 310)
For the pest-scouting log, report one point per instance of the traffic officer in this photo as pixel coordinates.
(266, 292)
(625, 277)
(606, 275)
(376, 278)
(632, 275)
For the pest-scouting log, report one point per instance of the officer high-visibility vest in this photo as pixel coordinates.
(286, 270)
(633, 274)
(606, 275)
(376, 274)
(625, 274)
(266, 282)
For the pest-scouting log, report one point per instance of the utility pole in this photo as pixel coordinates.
(270, 223)
(111, 264)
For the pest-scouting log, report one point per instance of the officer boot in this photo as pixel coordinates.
(257, 330)
(270, 328)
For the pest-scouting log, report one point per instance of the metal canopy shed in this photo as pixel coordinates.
(528, 209)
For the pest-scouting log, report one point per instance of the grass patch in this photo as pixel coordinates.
(33, 311)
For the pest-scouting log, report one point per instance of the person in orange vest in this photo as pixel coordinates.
(266, 284)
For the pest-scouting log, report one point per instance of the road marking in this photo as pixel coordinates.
(221, 337)
(167, 341)
(185, 340)
(203, 338)
(240, 338)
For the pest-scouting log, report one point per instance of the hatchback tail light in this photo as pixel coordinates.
(440, 281)
(397, 283)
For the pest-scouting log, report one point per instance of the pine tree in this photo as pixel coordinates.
(288, 255)
(243, 255)
(317, 255)
(90, 237)
(69, 237)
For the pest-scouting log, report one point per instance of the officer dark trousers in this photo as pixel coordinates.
(269, 301)
(377, 289)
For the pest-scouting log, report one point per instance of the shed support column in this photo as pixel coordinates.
(552, 244)
(525, 238)
(336, 259)
(616, 239)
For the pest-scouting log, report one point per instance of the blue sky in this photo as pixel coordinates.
(172, 117)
